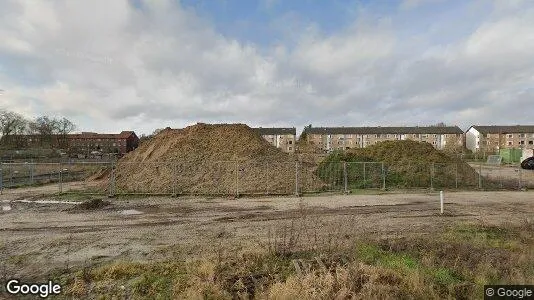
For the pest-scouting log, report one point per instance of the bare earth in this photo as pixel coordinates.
(38, 237)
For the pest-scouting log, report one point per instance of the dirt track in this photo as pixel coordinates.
(39, 237)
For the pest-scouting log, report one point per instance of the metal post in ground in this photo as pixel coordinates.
(364, 179)
(297, 178)
(175, 177)
(236, 179)
(1, 179)
(11, 175)
(456, 175)
(480, 175)
(60, 179)
(345, 179)
(383, 177)
(432, 176)
(520, 178)
(112, 181)
(31, 172)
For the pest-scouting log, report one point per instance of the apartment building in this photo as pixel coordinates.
(493, 138)
(120, 143)
(340, 138)
(283, 138)
(82, 143)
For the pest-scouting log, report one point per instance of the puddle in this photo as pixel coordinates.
(47, 201)
(6, 207)
(129, 212)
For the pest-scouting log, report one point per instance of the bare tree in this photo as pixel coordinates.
(11, 124)
(145, 138)
(46, 128)
(64, 127)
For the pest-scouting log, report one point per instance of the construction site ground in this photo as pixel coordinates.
(42, 232)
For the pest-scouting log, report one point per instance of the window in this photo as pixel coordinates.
(424, 136)
(522, 135)
(290, 148)
(377, 135)
(387, 136)
(509, 143)
(521, 142)
(510, 136)
(531, 142)
(290, 142)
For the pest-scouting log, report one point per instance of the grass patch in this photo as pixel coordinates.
(485, 236)
(453, 264)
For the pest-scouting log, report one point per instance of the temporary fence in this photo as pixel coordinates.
(235, 178)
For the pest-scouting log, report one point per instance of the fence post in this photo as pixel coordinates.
(12, 183)
(236, 179)
(297, 178)
(31, 172)
(432, 176)
(480, 175)
(383, 177)
(345, 183)
(456, 175)
(60, 178)
(112, 181)
(520, 178)
(175, 178)
(1, 178)
(364, 179)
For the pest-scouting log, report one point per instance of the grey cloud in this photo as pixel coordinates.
(162, 64)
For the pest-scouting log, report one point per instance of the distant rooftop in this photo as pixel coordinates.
(385, 130)
(505, 128)
(276, 130)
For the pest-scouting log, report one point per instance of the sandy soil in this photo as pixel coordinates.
(37, 237)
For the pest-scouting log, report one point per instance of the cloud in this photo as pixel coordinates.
(113, 65)
(411, 4)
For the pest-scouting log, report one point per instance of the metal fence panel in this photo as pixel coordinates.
(253, 177)
(85, 177)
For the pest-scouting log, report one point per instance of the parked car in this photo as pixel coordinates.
(528, 164)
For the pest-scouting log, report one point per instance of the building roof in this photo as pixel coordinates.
(93, 135)
(276, 130)
(385, 130)
(504, 129)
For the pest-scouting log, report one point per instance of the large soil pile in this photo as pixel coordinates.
(407, 164)
(210, 159)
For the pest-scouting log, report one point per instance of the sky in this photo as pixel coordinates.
(141, 65)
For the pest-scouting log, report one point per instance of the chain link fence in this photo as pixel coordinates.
(235, 178)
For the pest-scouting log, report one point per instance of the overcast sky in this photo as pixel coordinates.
(140, 65)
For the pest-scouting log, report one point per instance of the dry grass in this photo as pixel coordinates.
(305, 259)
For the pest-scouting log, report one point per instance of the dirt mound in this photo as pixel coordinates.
(92, 204)
(209, 159)
(100, 174)
(407, 164)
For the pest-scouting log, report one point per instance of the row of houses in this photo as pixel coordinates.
(85, 142)
(476, 138)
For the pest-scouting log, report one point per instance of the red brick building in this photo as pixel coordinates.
(81, 143)
(121, 143)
